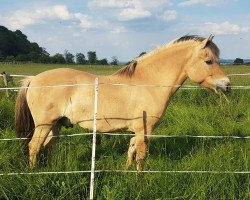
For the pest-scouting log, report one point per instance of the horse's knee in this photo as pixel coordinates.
(132, 149)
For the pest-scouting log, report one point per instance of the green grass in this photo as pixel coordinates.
(194, 112)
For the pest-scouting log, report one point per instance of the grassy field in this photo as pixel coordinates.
(193, 112)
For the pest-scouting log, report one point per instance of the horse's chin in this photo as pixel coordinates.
(216, 90)
(224, 89)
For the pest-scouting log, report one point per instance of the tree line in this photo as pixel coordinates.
(15, 47)
(240, 61)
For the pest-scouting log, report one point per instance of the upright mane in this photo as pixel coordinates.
(129, 69)
(213, 47)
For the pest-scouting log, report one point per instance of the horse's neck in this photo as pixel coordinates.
(165, 68)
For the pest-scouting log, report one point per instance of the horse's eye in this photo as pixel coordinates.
(209, 62)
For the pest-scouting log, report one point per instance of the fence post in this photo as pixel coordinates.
(5, 83)
(92, 176)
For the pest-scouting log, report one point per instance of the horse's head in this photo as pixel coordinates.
(203, 67)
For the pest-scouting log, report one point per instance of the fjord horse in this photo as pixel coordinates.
(42, 111)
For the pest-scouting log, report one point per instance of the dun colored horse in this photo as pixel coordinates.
(42, 111)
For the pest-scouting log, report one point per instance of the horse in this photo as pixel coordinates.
(42, 111)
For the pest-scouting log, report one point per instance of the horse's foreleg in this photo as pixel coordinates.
(40, 134)
(131, 152)
(138, 149)
(141, 146)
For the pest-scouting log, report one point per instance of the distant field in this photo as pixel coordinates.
(33, 69)
(191, 112)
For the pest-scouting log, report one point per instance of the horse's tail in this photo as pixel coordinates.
(24, 122)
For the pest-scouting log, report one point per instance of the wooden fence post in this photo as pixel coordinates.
(5, 83)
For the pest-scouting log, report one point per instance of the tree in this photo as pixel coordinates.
(92, 58)
(45, 57)
(58, 58)
(103, 61)
(238, 61)
(80, 58)
(34, 57)
(16, 44)
(10, 58)
(2, 57)
(114, 60)
(69, 57)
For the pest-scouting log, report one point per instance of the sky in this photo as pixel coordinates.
(125, 28)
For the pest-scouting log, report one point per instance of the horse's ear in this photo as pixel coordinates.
(207, 41)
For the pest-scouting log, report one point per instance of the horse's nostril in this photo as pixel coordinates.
(228, 87)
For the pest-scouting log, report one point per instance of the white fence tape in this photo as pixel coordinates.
(131, 135)
(47, 86)
(127, 171)
(26, 76)
(187, 87)
(245, 74)
(115, 84)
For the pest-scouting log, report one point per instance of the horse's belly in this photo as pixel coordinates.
(105, 125)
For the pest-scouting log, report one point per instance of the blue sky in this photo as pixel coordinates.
(125, 28)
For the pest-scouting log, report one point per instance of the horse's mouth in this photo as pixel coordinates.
(225, 88)
(222, 85)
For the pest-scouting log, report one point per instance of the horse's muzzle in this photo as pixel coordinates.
(223, 85)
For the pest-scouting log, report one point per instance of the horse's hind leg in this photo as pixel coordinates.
(52, 136)
(40, 135)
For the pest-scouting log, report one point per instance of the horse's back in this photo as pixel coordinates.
(61, 76)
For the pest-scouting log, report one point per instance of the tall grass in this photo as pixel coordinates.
(194, 112)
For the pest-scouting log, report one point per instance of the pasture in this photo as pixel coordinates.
(191, 112)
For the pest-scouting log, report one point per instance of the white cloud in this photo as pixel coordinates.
(42, 13)
(208, 3)
(126, 10)
(117, 30)
(220, 29)
(133, 13)
(61, 12)
(169, 15)
(86, 22)
(113, 4)
(95, 4)
(22, 18)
